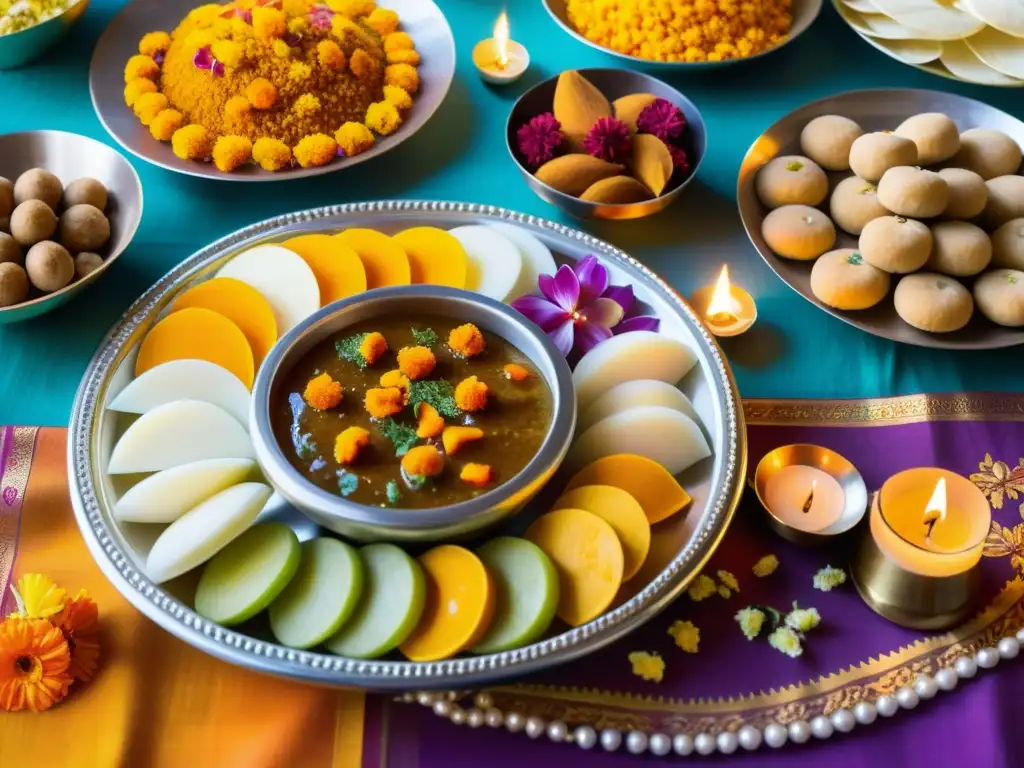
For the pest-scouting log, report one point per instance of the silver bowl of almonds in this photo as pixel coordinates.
(69, 206)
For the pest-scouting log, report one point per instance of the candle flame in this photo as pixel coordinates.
(936, 509)
(723, 307)
(501, 39)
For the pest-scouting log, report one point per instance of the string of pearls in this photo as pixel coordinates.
(749, 738)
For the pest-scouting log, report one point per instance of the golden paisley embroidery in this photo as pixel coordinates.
(997, 480)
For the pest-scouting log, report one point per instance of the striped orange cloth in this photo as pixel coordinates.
(155, 701)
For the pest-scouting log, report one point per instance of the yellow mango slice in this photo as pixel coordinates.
(337, 267)
(197, 334)
(383, 259)
(459, 607)
(645, 480)
(588, 557)
(435, 257)
(240, 303)
(622, 512)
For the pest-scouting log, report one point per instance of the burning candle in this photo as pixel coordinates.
(727, 309)
(931, 522)
(499, 59)
(806, 498)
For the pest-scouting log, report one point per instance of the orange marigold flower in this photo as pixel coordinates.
(315, 149)
(423, 461)
(383, 117)
(361, 63)
(516, 372)
(136, 88)
(330, 55)
(148, 106)
(271, 154)
(404, 56)
(228, 52)
(416, 362)
(298, 24)
(404, 76)
(383, 402)
(476, 474)
(34, 661)
(153, 43)
(373, 346)
(281, 49)
(237, 111)
(354, 138)
(299, 71)
(383, 20)
(80, 624)
(307, 104)
(348, 443)
(268, 22)
(466, 340)
(230, 152)
(397, 96)
(431, 423)
(454, 438)
(141, 66)
(398, 41)
(322, 392)
(261, 93)
(352, 8)
(193, 142)
(295, 7)
(471, 395)
(165, 124)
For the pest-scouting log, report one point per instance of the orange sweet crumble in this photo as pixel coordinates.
(404, 76)
(373, 346)
(141, 65)
(398, 41)
(466, 340)
(192, 142)
(349, 443)
(136, 88)
(353, 138)
(153, 43)
(516, 372)
(431, 423)
(383, 117)
(383, 21)
(261, 93)
(148, 106)
(165, 124)
(230, 152)
(396, 379)
(478, 475)
(416, 362)
(471, 395)
(396, 96)
(322, 392)
(383, 402)
(404, 57)
(330, 55)
(454, 438)
(315, 150)
(271, 154)
(362, 64)
(423, 461)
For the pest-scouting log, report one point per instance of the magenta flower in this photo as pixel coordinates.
(661, 118)
(539, 138)
(203, 59)
(244, 14)
(578, 309)
(608, 140)
(320, 17)
(680, 160)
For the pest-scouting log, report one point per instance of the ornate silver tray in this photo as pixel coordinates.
(680, 546)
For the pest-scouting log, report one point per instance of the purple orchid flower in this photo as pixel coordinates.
(203, 59)
(578, 308)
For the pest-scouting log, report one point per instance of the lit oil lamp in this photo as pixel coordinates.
(499, 59)
(726, 309)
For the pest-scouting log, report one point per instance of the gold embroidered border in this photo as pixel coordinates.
(888, 411)
(13, 481)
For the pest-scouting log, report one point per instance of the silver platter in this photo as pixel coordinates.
(876, 110)
(680, 546)
(420, 18)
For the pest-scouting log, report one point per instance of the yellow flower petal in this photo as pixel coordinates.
(39, 597)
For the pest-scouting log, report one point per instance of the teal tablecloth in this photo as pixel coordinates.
(796, 351)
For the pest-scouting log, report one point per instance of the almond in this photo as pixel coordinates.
(574, 174)
(652, 163)
(616, 190)
(577, 106)
(628, 108)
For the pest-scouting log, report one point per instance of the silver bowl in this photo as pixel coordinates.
(804, 12)
(70, 156)
(20, 48)
(369, 523)
(613, 83)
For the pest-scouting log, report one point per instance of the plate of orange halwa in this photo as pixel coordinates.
(258, 90)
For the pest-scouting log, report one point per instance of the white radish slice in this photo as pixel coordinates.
(998, 50)
(913, 52)
(1005, 15)
(627, 357)
(185, 380)
(633, 394)
(284, 279)
(203, 531)
(663, 435)
(938, 20)
(493, 264)
(179, 433)
(878, 26)
(537, 258)
(961, 61)
(861, 6)
(167, 495)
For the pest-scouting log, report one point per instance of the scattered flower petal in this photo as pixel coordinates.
(786, 641)
(803, 619)
(728, 580)
(702, 588)
(765, 566)
(593, 278)
(686, 635)
(649, 666)
(750, 620)
(203, 58)
(828, 578)
(643, 323)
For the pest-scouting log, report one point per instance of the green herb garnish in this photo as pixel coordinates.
(438, 393)
(425, 337)
(855, 258)
(347, 483)
(796, 165)
(402, 436)
(348, 349)
(393, 493)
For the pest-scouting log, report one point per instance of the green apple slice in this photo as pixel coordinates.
(392, 604)
(321, 595)
(527, 593)
(245, 577)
